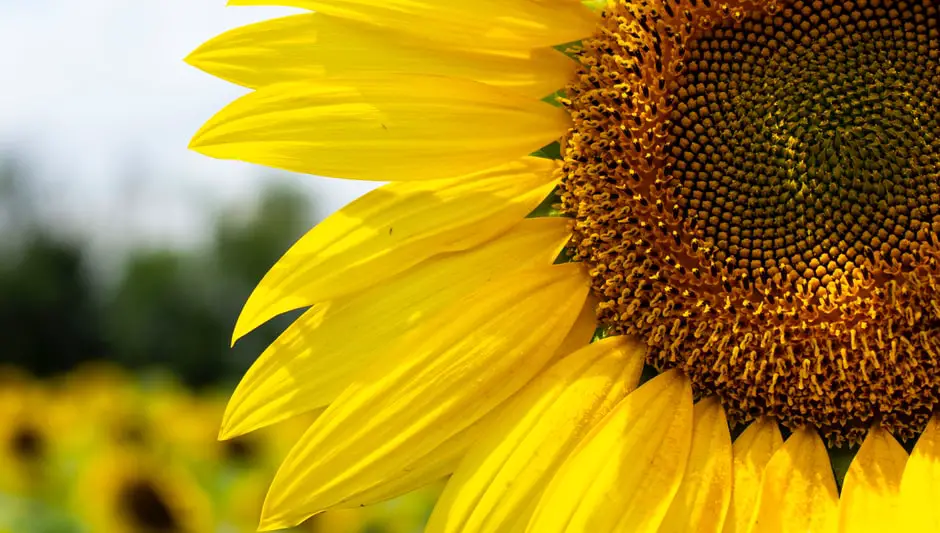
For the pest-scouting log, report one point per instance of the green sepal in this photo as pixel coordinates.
(841, 458)
(549, 151)
(553, 99)
(570, 49)
(547, 207)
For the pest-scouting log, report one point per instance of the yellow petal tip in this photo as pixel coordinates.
(232, 425)
(272, 521)
(192, 59)
(273, 525)
(226, 433)
(242, 328)
(196, 142)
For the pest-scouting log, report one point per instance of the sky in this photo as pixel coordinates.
(97, 98)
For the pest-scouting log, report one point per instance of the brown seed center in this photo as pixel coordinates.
(757, 191)
(146, 508)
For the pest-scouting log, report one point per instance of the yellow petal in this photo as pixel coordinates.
(870, 494)
(395, 127)
(798, 493)
(920, 484)
(392, 229)
(489, 24)
(322, 351)
(702, 501)
(583, 329)
(436, 381)
(436, 465)
(311, 46)
(497, 485)
(751, 451)
(625, 473)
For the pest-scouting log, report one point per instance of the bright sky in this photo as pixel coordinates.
(96, 93)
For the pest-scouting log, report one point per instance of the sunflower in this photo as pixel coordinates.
(28, 440)
(100, 405)
(641, 265)
(125, 490)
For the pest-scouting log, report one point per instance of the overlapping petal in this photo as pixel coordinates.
(701, 504)
(309, 47)
(798, 492)
(392, 229)
(920, 483)
(496, 487)
(583, 330)
(482, 24)
(624, 474)
(751, 452)
(870, 500)
(395, 127)
(323, 350)
(437, 381)
(437, 464)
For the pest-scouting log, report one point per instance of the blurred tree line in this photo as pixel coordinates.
(169, 308)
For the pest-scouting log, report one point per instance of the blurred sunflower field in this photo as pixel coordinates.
(97, 450)
(115, 367)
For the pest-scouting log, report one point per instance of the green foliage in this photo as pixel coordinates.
(50, 318)
(168, 308)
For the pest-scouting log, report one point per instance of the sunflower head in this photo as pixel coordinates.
(756, 193)
(748, 206)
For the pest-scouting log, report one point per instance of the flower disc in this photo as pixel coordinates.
(756, 191)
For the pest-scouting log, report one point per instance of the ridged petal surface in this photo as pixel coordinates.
(322, 351)
(624, 474)
(870, 500)
(395, 127)
(702, 501)
(920, 484)
(497, 485)
(312, 46)
(391, 229)
(798, 493)
(489, 24)
(751, 452)
(435, 382)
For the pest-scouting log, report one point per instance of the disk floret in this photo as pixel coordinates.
(757, 191)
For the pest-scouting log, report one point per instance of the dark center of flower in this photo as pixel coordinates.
(147, 509)
(240, 450)
(131, 432)
(27, 444)
(757, 192)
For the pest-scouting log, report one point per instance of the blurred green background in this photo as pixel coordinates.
(164, 306)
